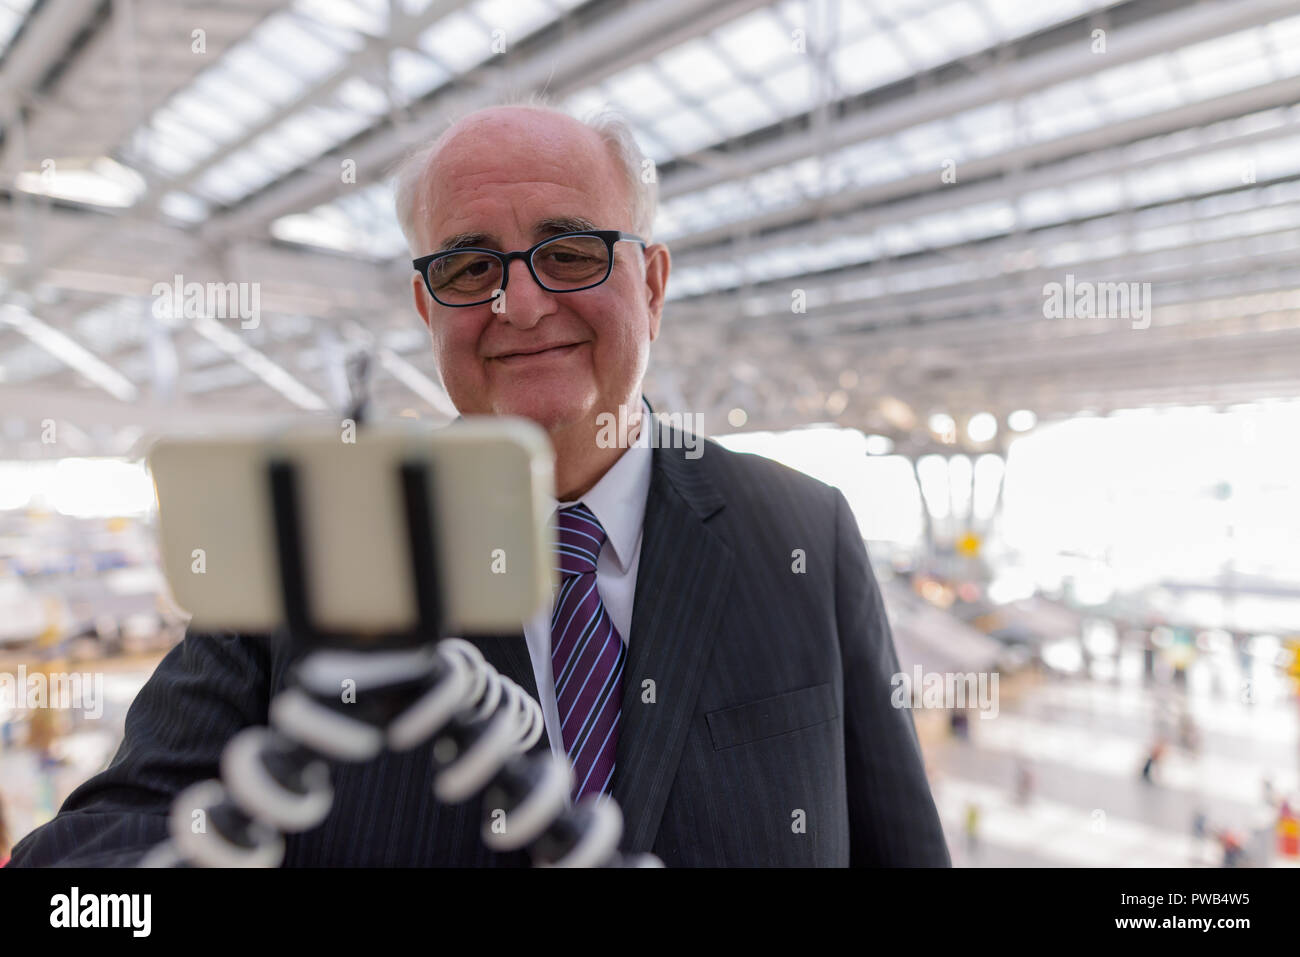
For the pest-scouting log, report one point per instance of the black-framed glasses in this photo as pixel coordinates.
(564, 263)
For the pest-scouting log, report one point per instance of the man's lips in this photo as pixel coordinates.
(544, 352)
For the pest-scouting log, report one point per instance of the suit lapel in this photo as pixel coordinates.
(682, 584)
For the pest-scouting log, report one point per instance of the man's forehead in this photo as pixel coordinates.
(517, 148)
(541, 228)
(509, 169)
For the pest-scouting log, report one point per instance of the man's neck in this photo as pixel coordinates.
(585, 451)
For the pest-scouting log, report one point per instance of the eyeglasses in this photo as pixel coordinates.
(564, 263)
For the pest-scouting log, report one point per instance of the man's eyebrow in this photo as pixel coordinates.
(562, 224)
(461, 240)
(544, 227)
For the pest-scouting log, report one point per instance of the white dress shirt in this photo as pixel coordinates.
(618, 501)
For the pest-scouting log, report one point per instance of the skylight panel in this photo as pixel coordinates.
(201, 112)
(1228, 50)
(337, 124)
(929, 144)
(810, 173)
(872, 61)
(276, 152)
(228, 93)
(773, 188)
(169, 150)
(366, 16)
(1093, 196)
(642, 91)
(960, 28)
(741, 110)
(876, 161)
(303, 133)
(898, 239)
(458, 41)
(166, 156)
(183, 206)
(249, 66)
(233, 178)
(792, 88)
(1040, 207)
(414, 75)
(758, 41)
(924, 41)
(1058, 111)
(652, 146)
(1228, 79)
(360, 223)
(686, 132)
(1155, 184)
(12, 14)
(1137, 90)
(695, 69)
(1283, 37)
(1022, 18)
(845, 18)
(518, 18)
(938, 230)
(982, 220)
(97, 182)
(986, 129)
(1212, 171)
(840, 251)
(363, 97)
(186, 138)
(1277, 158)
(586, 101)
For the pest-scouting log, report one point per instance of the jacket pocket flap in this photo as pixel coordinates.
(768, 717)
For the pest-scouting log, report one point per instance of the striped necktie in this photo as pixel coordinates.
(587, 655)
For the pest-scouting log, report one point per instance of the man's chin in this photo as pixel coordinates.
(552, 413)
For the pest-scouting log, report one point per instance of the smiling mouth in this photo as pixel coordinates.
(538, 353)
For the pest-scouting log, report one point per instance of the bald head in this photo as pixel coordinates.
(487, 141)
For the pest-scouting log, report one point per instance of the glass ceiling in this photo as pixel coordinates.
(310, 77)
(223, 137)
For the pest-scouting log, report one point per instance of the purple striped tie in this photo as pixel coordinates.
(587, 655)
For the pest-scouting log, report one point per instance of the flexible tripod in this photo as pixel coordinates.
(416, 688)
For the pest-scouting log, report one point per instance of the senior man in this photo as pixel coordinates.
(718, 657)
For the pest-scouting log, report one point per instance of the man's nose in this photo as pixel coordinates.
(525, 301)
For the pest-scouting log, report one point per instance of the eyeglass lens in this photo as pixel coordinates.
(569, 262)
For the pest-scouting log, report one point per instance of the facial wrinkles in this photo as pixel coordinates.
(471, 187)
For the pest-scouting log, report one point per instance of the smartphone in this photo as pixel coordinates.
(491, 488)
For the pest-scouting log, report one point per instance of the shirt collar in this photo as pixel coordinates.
(618, 500)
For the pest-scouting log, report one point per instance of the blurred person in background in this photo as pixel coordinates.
(1200, 832)
(972, 827)
(1231, 843)
(1024, 781)
(1152, 761)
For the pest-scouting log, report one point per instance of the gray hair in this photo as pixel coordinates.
(638, 172)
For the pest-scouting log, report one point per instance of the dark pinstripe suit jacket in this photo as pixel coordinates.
(766, 738)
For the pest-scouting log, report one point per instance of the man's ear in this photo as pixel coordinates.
(658, 263)
(422, 300)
